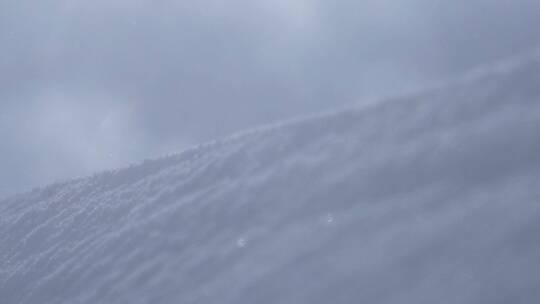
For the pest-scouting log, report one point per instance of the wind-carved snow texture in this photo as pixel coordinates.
(430, 198)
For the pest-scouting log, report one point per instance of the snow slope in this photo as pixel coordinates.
(428, 198)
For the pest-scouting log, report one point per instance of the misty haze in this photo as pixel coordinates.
(269, 151)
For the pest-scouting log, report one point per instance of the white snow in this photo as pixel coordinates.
(429, 198)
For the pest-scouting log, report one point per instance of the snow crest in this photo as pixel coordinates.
(428, 198)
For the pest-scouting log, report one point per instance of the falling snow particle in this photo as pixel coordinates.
(329, 219)
(241, 242)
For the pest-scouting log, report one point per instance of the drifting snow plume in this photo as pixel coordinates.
(430, 198)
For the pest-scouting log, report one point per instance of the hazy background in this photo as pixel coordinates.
(88, 85)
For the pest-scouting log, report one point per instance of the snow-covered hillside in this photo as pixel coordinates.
(429, 198)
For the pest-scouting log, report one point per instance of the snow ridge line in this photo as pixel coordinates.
(499, 69)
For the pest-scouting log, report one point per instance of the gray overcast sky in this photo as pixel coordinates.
(88, 85)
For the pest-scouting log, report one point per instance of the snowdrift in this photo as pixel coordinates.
(428, 198)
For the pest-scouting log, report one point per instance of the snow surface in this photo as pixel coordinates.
(428, 198)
